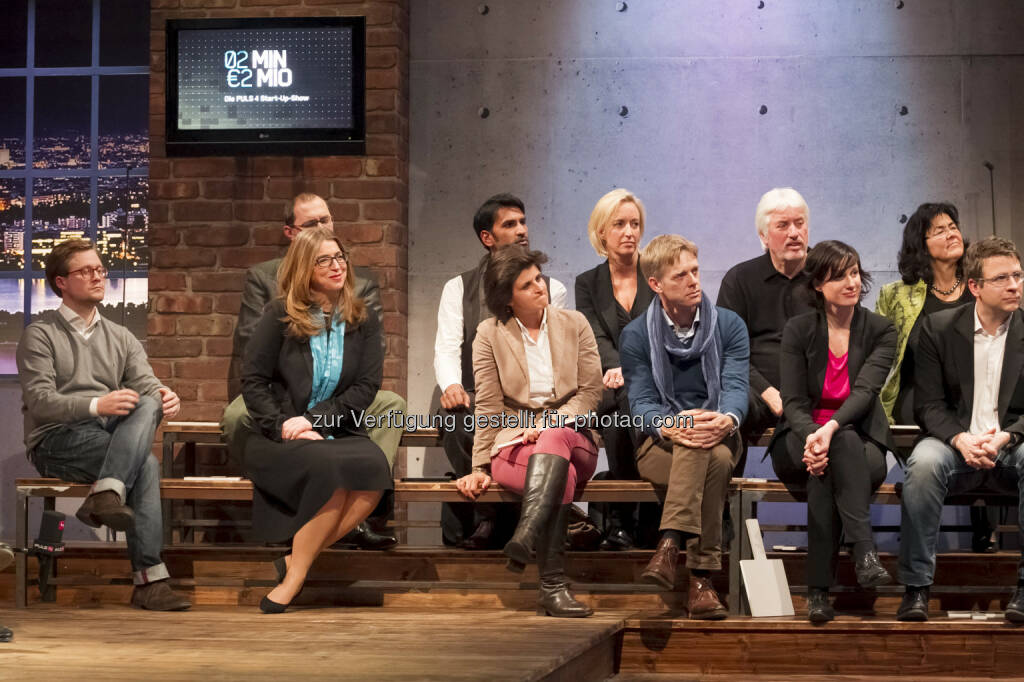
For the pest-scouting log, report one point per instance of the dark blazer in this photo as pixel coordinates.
(595, 298)
(277, 376)
(944, 374)
(804, 359)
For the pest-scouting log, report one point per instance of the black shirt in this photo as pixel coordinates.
(903, 412)
(765, 299)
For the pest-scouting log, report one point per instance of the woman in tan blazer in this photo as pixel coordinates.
(537, 370)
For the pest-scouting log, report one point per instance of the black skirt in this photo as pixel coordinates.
(294, 479)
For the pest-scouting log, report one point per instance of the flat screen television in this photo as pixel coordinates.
(266, 86)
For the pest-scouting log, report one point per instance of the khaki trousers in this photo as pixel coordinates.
(693, 484)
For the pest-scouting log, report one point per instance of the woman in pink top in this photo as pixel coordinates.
(831, 441)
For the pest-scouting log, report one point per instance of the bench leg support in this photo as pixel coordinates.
(21, 560)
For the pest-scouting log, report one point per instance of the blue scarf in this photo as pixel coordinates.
(706, 344)
(328, 349)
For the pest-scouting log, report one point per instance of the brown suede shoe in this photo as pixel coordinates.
(158, 596)
(105, 509)
(661, 569)
(704, 603)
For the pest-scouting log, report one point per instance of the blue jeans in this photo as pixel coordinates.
(935, 471)
(116, 456)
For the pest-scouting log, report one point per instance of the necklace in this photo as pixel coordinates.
(948, 291)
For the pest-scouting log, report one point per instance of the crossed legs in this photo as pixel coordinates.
(341, 513)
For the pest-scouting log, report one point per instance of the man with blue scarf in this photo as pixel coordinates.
(686, 363)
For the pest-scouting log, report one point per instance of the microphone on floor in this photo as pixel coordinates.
(47, 546)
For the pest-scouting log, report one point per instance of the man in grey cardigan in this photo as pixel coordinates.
(92, 406)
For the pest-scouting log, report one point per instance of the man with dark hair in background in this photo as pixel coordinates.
(500, 220)
(310, 210)
(92, 406)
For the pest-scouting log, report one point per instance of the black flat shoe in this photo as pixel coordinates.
(914, 607)
(818, 608)
(268, 606)
(617, 540)
(1015, 607)
(870, 572)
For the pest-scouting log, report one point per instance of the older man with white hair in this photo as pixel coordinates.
(765, 292)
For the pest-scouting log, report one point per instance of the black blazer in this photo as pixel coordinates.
(277, 376)
(804, 359)
(944, 374)
(595, 298)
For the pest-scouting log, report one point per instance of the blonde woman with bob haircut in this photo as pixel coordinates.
(311, 368)
(610, 296)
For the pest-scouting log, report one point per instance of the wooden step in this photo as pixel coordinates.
(742, 646)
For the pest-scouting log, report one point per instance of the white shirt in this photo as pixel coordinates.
(78, 323)
(684, 333)
(988, 366)
(448, 341)
(538, 363)
(85, 330)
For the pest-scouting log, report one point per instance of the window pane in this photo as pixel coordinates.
(124, 33)
(15, 34)
(12, 321)
(12, 123)
(12, 223)
(117, 199)
(124, 121)
(62, 122)
(60, 210)
(135, 291)
(63, 33)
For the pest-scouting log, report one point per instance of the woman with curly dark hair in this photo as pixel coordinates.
(931, 263)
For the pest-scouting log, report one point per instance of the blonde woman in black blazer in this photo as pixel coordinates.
(834, 433)
(611, 296)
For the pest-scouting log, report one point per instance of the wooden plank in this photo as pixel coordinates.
(309, 644)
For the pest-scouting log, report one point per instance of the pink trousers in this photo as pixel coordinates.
(508, 467)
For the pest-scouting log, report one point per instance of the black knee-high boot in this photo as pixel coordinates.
(555, 598)
(542, 493)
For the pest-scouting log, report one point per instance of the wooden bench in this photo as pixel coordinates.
(49, 489)
(744, 494)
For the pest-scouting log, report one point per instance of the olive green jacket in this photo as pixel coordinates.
(901, 304)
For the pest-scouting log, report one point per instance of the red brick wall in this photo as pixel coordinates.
(211, 218)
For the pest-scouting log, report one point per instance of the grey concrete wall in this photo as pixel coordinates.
(833, 77)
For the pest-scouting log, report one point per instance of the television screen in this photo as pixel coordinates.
(266, 86)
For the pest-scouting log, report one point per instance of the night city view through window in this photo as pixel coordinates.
(62, 174)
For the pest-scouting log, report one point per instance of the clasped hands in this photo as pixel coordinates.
(816, 448)
(708, 430)
(980, 451)
(299, 428)
(122, 401)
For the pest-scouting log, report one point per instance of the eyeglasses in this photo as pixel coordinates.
(325, 262)
(1002, 281)
(87, 273)
(322, 220)
(943, 231)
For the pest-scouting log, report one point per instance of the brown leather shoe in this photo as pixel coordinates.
(661, 569)
(704, 603)
(158, 596)
(105, 509)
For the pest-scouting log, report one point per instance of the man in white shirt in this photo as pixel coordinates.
(92, 406)
(969, 403)
(500, 220)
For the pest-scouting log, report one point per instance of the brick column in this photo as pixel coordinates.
(213, 217)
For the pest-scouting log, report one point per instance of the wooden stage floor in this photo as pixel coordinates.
(219, 643)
